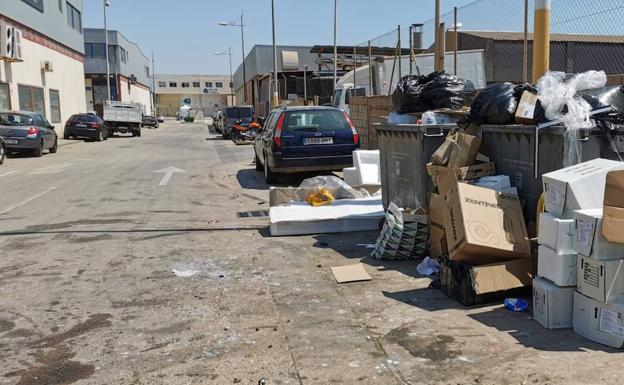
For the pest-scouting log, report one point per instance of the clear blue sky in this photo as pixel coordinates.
(184, 33)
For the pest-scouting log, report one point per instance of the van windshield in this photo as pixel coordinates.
(337, 98)
(239, 113)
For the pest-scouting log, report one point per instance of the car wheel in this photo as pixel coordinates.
(100, 136)
(2, 154)
(270, 176)
(138, 133)
(54, 148)
(38, 152)
(66, 136)
(259, 166)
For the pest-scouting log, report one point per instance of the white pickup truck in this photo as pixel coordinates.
(123, 117)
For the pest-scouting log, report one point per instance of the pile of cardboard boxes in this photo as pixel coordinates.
(580, 280)
(476, 220)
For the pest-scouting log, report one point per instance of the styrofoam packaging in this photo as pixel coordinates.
(588, 238)
(510, 191)
(556, 233)
(494, 182)
(552, 304)
(600, 280)
(351, 176)
(558, 268)
(367, 164)
(577, 187)
(599, 322)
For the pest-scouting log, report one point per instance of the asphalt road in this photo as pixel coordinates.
(112, 272)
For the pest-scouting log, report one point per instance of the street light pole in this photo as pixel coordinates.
(108, 89)
(335, 46)
(305, 85)
(242, 25)
(229, 53)
(275, 90)
(153, 99)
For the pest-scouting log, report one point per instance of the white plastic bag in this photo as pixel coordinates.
(556, 90)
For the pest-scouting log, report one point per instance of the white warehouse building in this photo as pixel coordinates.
(42, 58)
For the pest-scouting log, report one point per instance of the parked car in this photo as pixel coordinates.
(244, 114)
(2, 151)
(85, 126)
(27, 131)
(301, 139)
(149, 121)
(161, 118)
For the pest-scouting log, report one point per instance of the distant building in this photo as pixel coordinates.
(291, 62)
(568, 52)
(129, 69)
(206, 93)
(41, 66)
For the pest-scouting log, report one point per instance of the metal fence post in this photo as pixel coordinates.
(399, 51)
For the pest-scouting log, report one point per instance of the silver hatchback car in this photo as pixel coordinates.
(27, 131)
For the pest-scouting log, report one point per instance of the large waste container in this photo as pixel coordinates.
(404, 151)
(512, 149)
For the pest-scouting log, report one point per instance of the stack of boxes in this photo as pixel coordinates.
(580, 273)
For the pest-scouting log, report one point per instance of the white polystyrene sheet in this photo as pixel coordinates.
(344, 215)
(367, 165)
(351, 176)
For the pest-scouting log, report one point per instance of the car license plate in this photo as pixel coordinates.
(81, 125)
(10, 141)
(325, 140)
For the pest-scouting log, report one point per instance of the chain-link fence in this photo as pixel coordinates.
(585, 35)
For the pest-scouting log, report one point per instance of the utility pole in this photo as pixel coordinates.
(305, 85)
(153, 100)
(400, 50)
(525, 51)
(242, 25)
(231, 76)
(108, 88)
(335, 46)
(541, 39)
(439, 49)
(275, 89)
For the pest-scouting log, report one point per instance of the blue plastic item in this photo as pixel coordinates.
(516, 304)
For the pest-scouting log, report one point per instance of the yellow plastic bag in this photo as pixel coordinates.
(321, 197)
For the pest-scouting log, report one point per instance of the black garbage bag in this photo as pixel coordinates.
(497, 104)
(422, 93)
(604, 97)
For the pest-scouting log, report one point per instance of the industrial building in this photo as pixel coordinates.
(206, 93)
(130, 74)
(41, 58)
(293, 63)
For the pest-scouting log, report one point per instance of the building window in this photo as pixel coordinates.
(173, 84)
(74, 18)
(185, 85)
(231, 85)
(196, 84)
(124, 55)
(5, 97)
(162, 84)
(208, 84)
(31, 99)
(95, 50)
(61, 5)
(219, 85)
(147, 71)
(55, 106)
(37, 4)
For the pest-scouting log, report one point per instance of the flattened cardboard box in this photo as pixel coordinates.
(525, 114)
(463, 173)
(613, 221)
(437, 236)
(482, 225)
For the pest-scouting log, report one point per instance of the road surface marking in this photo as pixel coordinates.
(27, 201)
(168, 173)
(8, 173)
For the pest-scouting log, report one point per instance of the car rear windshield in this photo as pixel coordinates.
(239, 113)
(83, 118)
(319, 120)
(8, 119)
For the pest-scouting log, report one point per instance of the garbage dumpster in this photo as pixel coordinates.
(512, 149)
(405, 150)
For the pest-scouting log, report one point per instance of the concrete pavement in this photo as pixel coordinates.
(108, 275)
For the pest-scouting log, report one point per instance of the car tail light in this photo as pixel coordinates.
(93, 125)
(32, 132)
(356, 136)
(277, 135)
